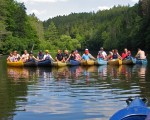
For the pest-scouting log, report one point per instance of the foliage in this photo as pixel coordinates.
(119, 27)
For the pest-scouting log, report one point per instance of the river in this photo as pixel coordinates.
(69, 93)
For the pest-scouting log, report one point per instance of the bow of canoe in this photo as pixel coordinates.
(136, 110)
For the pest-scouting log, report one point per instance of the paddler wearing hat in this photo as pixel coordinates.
(47, 56)
(87, 55)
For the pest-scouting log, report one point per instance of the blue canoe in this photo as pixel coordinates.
(31, 63)
(136, 110)
(101, 61)
(74, 63)
(141, 62)
(44, 63)
(129, 61)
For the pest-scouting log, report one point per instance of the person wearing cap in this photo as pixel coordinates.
(78, 56)
(103, 53)
(25, 56)
(47, 56)
(40, 55)
(59, 56)
(87, 55)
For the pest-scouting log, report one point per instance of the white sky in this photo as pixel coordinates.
(45, 9)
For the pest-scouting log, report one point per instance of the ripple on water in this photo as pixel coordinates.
(79, 93)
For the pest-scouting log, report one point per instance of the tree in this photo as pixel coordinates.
(51, 34)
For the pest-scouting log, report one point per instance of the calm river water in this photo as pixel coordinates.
(69, 93)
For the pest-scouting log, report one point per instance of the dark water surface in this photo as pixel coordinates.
(69, 93)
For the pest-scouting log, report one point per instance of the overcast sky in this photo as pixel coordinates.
(45, 9)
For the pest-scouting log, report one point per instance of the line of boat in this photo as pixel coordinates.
(48, 62)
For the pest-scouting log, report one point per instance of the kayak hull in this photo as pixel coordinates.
(73, 63)
(102, 62)
(115, 62)
(141, 62)
(131, 61)
(44, 63)
(137, 110)
(59, 64)
(15, 64)
(30, 64)
(87, 62)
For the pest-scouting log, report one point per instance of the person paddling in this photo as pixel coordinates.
(59, 56)
(31, 57)
(47, 56)
(25, 56)
(78, 56)
(40, 55)
(116, 54)
(10, 57)
(16, 56)
(66, 55)
(140, 54)
(72, 56)
(87, 55)
(103, 53)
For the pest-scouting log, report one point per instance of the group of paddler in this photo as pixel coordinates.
(74, 55)
(115, 55)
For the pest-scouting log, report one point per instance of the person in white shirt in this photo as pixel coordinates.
(25, 56)
(47, 56)
(103, 53)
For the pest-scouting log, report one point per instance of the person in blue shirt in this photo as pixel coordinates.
(87, 55)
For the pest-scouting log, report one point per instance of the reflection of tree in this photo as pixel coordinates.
(13, 91)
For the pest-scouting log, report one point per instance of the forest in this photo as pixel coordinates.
(118, 27)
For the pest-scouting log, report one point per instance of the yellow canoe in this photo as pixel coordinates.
(87, 62)
(59, 64)
(15, 64)
(115, 62)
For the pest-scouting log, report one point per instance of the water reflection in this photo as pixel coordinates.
(76, 92)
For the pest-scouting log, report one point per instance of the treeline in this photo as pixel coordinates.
(18, 31)
(119, 27)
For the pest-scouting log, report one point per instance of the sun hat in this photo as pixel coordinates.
(47, 51)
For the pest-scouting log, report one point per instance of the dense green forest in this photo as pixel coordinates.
(119, 27)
